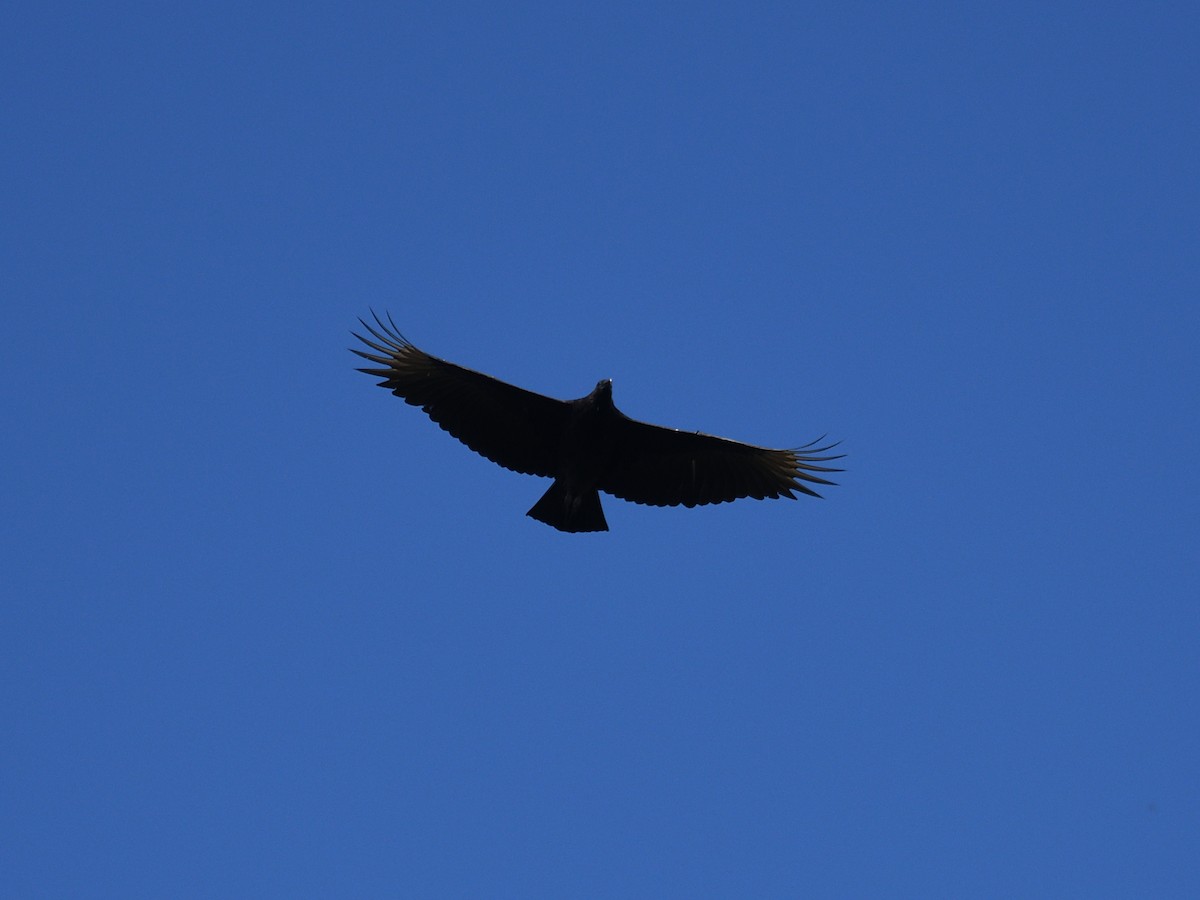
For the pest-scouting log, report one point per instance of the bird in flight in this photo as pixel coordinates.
(585, 445)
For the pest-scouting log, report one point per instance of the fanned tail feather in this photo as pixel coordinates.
(568, 511)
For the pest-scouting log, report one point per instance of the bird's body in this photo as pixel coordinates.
(585, 445)
(572, 502)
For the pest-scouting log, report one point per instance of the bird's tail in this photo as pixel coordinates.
(569, 511)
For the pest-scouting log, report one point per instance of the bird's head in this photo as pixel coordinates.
(603, 392)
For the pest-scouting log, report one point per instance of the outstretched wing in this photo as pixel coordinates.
(512, 427)
(665, 467)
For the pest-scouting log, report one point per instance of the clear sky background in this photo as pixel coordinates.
(266, 631)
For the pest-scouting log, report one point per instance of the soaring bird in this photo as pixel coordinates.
(585, 445)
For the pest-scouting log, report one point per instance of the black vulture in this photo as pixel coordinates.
(585, 445)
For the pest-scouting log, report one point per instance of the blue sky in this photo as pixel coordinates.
(268, 632)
